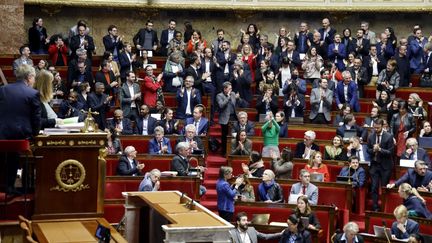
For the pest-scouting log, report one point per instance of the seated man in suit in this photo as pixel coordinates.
(356, 148)
(414, 152)
(127, 165)
(350, 124)
(180, 163)
(304, 149)
(419, 178)
(304, 187)
(201, 123)
(243, 231)
(403, 226)
(243, 124)
(195, 143)
(357, 173)
(145, 124)
(370, 120)
(121, 125)
(159, 144)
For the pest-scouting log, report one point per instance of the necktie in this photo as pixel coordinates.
(160, 146)
(196, 127)
(378, 138)
(304, 190)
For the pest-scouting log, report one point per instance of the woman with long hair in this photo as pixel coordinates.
(253, 33)
(336, 150)
(303, 210)
(426, 130)
(312, 64)
(58, 51)
(391, 37)
(270, 80)
(245, 191)
(114, 145)
(383, 103)
(282, 165)
(402, 126)
(241, 145)
(38, 37)
(250, 58)
(415, 106)
(283, 124)
(269, 190)
(315, 165)
(170, 125)
(196, 42)
(347, 39)
(59, 87)
(43, 84)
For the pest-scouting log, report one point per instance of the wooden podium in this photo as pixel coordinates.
(167, 216)
(70, 175)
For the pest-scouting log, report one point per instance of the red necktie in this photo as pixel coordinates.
(304, 190)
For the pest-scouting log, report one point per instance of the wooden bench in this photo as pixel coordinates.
(279, 212)
(390, 199)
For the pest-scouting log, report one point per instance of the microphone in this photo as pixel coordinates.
(338, 231)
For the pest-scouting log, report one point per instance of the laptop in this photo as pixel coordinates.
(319, 177)
(261, 219)
(344, 179)
(380, 233)
(349, 134)
(292, 199)
(425, 142)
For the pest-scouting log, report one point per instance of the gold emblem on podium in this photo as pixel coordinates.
(70, 175)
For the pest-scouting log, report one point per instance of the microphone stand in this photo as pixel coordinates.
(385, 231)
(349, 174)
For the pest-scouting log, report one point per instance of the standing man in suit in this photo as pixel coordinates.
(195, 71)
(244, 233)
(302, 37)
(159, 144)
(146, 38)
(337, 53)
(225, 62)
(416, 51)
(120, 124)
(327, 32)
(23, 59)
(128, 61)
(20, 107)
(167, 35)
(347, 92)
(427, 58)
(187, 97)
(292, 54)
(360, 45)
(130, 97)
(208, 66)
(128, 165)
(201, 123)
(359, 75)
(145, 124)
(380, 147)
(112, 42)
(321, 103)
(99, 102)
(243, 124)
(241, 81)
(368, 34)
(82, 41)
(226, 101)
(304, 187)
(413, 152)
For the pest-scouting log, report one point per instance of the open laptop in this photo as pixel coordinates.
(344, 179)
(349, 134)
(425, 142)
(380, 233)
(292, 199)
(261, 219)
(317, 177)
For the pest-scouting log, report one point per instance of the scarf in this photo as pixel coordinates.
(263, 188)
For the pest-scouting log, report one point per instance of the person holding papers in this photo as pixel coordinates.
(304, 187)
(304, 212)
(44, 86)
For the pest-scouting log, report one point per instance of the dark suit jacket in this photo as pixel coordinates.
(180, 165)
(203, 125)
(295, 58)
(339, 56)
(261, 106)
(361, 133)
(171, 130)
(164, 40)
(300, 41)
(195, 99)
(100, 77)
(352, 95)
(35, 43)
(338, 239)
(45, 121)
(199, 142)
(88, 77)
(126, 123)
(220, 57)
(330, 35)
(151, 125)
(408, 123)
(75, 45)
(110, 45)
(96, 103)
(362, 78)
(23, 108)
(213, 69)
(300, 148)
(139, 37)
(411, 177)
(364, 51)
(154, 147)
(125, 64)
(197, 75)
(124, 168)
(421, 155)
(412, 227)
(384, 158)
(302, 237)
(242, 85)
(249, 127)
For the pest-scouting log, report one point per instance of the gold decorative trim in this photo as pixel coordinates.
(294, 6)
(70, 175)
(56, 143)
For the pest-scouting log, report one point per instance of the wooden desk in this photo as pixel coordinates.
(72, 230)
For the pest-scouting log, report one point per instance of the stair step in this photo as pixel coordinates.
(211, 205)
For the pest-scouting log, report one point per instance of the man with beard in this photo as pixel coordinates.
(112, 42)
(99, 102)
(336, 52)
(243, 233)
(360, 45)
(241, 81)
(167, 35)
(145, 124)
(208, 66)
(320, 46)
(82, 41)
(301, 38)
(370, 120)
(327, 32)
(146, 38)
(359, 75)
(225, 61)
(120, 124)
(216, 45)
(292, 54)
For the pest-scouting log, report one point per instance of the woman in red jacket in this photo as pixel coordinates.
(58, 51)
(151, 88)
